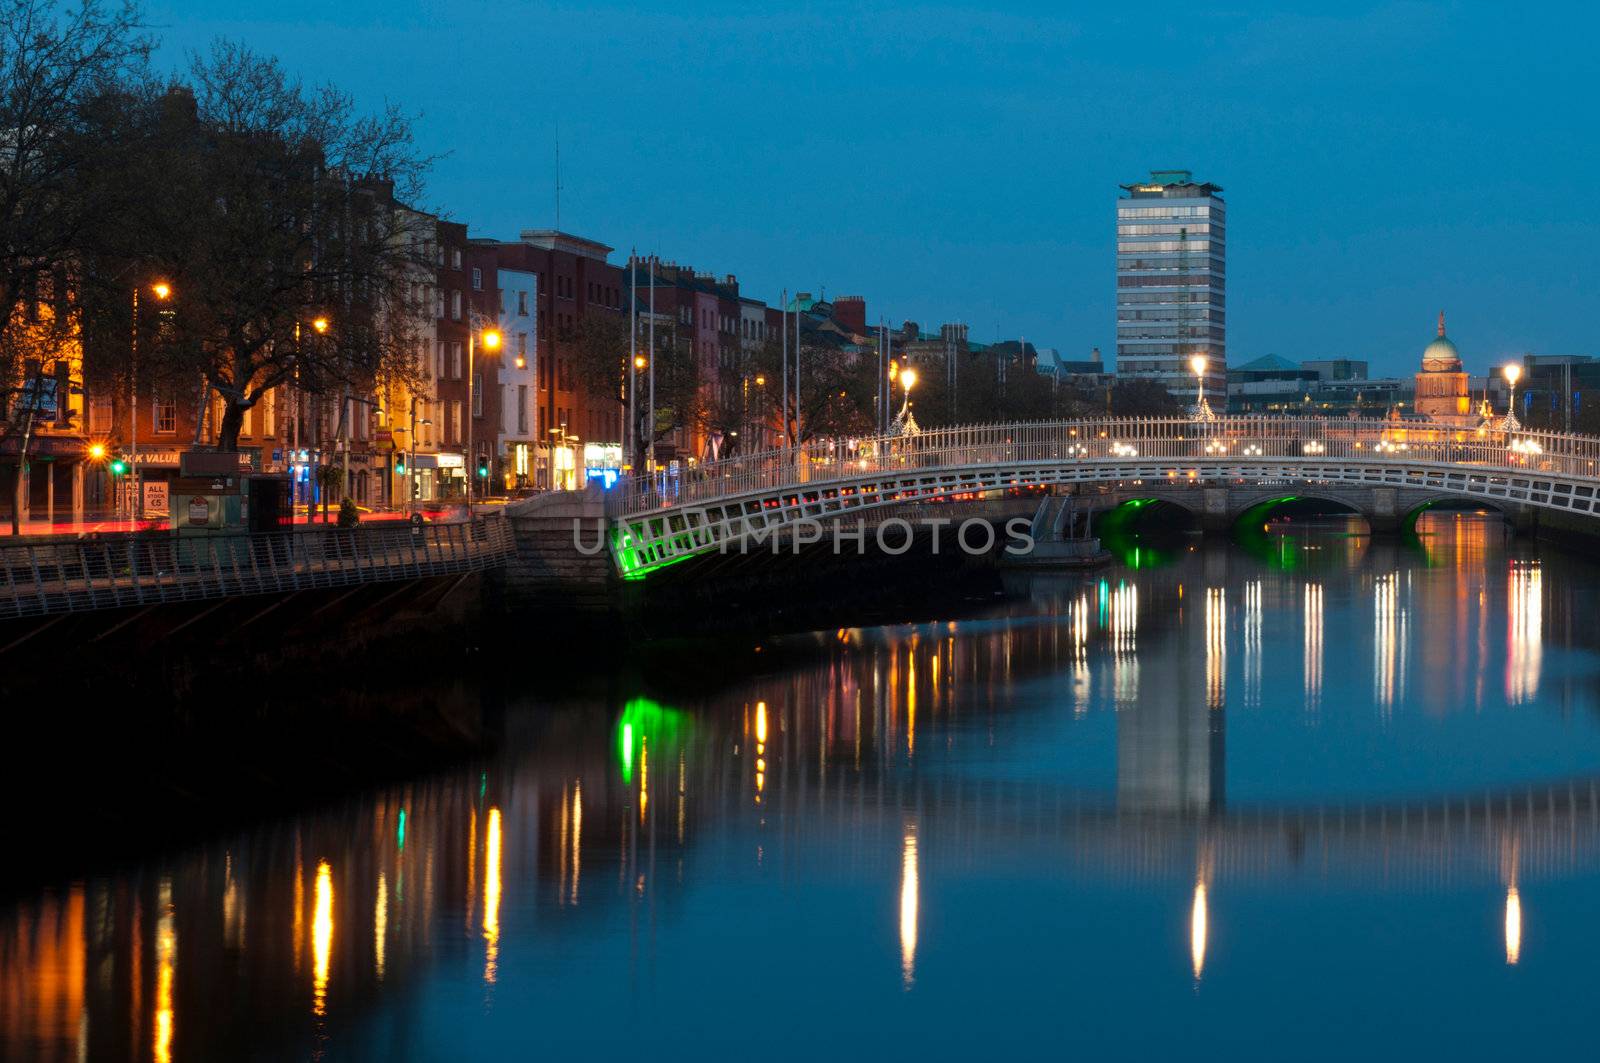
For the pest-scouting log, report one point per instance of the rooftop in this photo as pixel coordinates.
(1169, 183)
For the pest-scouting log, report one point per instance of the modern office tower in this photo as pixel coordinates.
(1171, 283)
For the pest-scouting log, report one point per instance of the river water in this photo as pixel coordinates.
(1309, 795)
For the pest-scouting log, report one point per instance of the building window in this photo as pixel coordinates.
(455, 258)
(455, 305)
(477, 279)
(438, 302)
(455, 421)
(477, 394)
(440, 364)
(455, 360)
(522, 304)
(522, 409)
(166, 417)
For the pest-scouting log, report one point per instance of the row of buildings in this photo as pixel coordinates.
(516, 416)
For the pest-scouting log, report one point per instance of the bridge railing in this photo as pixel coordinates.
(1225, 439)
(45, 578)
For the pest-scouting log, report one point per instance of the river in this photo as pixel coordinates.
(1309, 795)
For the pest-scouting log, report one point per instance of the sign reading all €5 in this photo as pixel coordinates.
(155, 498)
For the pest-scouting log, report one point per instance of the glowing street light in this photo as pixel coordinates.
(162, 291)
(491, 339)
(1197, 365)
(1513, 373)
(320, 324)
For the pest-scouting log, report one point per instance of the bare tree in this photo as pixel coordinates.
(59, 64)
(280, 208)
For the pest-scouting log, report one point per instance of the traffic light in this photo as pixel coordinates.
(400, 466)
(483, 467)
(118, 466)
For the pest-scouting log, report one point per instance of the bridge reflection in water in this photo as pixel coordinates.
(1084, 734)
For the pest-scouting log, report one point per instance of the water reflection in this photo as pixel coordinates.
(908, 907)
(1311, 654)
(1513, 926)
(491, 894)
(321, 938)
(1524, 630)
(1021, 776)
(166, 971)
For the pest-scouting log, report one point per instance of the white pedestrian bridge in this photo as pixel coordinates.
(713, 506)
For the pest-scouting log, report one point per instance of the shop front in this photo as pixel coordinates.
(602, 463)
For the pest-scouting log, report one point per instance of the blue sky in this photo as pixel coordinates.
(959, 162)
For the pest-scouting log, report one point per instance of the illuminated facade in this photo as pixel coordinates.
(1442, 389)
(1171, 281)
(44, 442)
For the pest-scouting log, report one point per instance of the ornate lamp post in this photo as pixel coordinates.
(1513, 373)
(1202, 409)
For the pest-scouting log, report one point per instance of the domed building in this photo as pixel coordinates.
(1442, 393)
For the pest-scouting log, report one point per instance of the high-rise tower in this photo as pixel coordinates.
(1171, 281)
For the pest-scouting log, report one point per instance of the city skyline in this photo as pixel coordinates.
(1453, 203)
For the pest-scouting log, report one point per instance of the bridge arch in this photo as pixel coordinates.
(1311, 502)
(1452, 503)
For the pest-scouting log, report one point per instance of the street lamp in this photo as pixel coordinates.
(162, 291)
(1513, 373)
(908, 380)
(1197, 365)
(491, 340)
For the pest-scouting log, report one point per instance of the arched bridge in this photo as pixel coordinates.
(720, 504)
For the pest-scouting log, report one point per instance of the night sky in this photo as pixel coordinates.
(1380, 161)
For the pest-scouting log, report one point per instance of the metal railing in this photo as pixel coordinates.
(46, 578)
(1234, 439)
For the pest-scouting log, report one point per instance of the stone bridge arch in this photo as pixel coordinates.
(1218, 507)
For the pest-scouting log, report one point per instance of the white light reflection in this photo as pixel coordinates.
(1123, 614)
(1252, 644)
(1216, 647)
(1389, 640)
(1513, 926)
(908, 907)
(1524, 630)
(1081, 686)
(1313, 648)
(1198, 928)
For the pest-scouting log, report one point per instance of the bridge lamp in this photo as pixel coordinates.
(1198, 365)
(319, 324)
(1513, 373)
(639, 361)
(161, 290)
(97, 451)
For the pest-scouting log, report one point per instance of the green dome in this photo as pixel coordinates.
(1441, 356)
